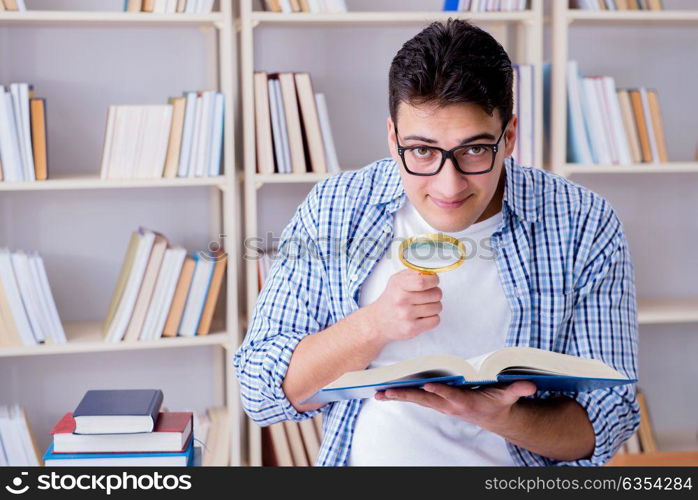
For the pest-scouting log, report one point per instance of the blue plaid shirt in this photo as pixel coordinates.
(562, 257)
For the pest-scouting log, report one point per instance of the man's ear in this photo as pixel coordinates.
(510, 136)
(392, 143)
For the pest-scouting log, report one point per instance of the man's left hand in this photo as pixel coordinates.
(490, 408)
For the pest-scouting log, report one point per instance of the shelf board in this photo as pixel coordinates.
(656, 459)
(662, 311)
(368, 18)
(82, 181)
(648, 16)
(71, 17)
(261, 179)
(87, 336)
(638, 168)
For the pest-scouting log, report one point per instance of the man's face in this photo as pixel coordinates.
(450, 201)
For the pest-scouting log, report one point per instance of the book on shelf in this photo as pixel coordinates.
(611, 5)
(22, 134)
(550, 371)
(162, 292)
(611, 126)
(169, 6)
(485, 5)
(292, 128)
(28, 314)
(217, 441)
(13, 5)
(18, 447)
(309, 6)
(524, 104)
(643, 439)
(183, 138)
(290, 443)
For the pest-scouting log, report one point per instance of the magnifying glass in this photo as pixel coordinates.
(432, 253)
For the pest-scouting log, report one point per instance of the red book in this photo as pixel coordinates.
(171, 434)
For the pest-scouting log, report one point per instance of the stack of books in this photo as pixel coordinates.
(28, 314)
(122, 428)
(292, 126)
(13, 5)
(289, 444)
(524, 104)
(18, 446)
(485, 5)
(22, 134)
(181, 139)
(169, 6)
(163, 292)
(312, 6)
(618, 4)
(608, 126)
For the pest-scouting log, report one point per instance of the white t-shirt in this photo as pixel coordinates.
(474, 320)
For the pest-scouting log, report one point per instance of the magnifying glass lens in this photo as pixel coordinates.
(432, 253)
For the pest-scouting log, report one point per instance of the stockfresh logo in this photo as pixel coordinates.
(18, 487)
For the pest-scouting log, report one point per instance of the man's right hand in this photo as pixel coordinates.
(409, 305)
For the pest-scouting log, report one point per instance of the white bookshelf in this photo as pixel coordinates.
(38, 17)
(86, 337)
(676, 167)
(521, 33)
(587, 17)
(60, 183)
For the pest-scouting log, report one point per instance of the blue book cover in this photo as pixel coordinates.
(143, 402)
(188, 453)
(450, 5)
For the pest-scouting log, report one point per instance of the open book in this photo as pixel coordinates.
(547, 369)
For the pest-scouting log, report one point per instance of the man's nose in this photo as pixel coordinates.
(449, 181)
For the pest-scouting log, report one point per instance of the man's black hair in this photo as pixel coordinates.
(452, 62)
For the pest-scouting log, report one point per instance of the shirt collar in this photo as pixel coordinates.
(518, 189)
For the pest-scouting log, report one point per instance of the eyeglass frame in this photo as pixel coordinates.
(449, 154)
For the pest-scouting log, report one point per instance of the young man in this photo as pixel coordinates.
(550, 269)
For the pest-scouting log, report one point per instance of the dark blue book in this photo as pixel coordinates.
(549, 370)
(450, 5)
(174, 459)
(120, 411)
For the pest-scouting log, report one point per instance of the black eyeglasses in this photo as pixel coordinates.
(469, 159)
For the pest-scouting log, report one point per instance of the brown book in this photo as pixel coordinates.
(134, 6)
(140, 309)
(647, 440)
(293, 123)
(311, 123)
(602, 5)
(622, 4)
(317, 422)
(626, 109)
(295, 6)
(263, 135)
(9, 335)
(273, 5)
(311, 440)
(657, 125)
(11, 5)
(212, 297)
(655, 5)
(148, 5)
(37, 109)
(295, 442)
(305, 6)
(2, 6)
(180, 297)
(122, 280)
(633, 5)
(175, 142)
(280, 445)
(641, 123)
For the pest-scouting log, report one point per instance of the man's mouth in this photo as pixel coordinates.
(448, 204)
